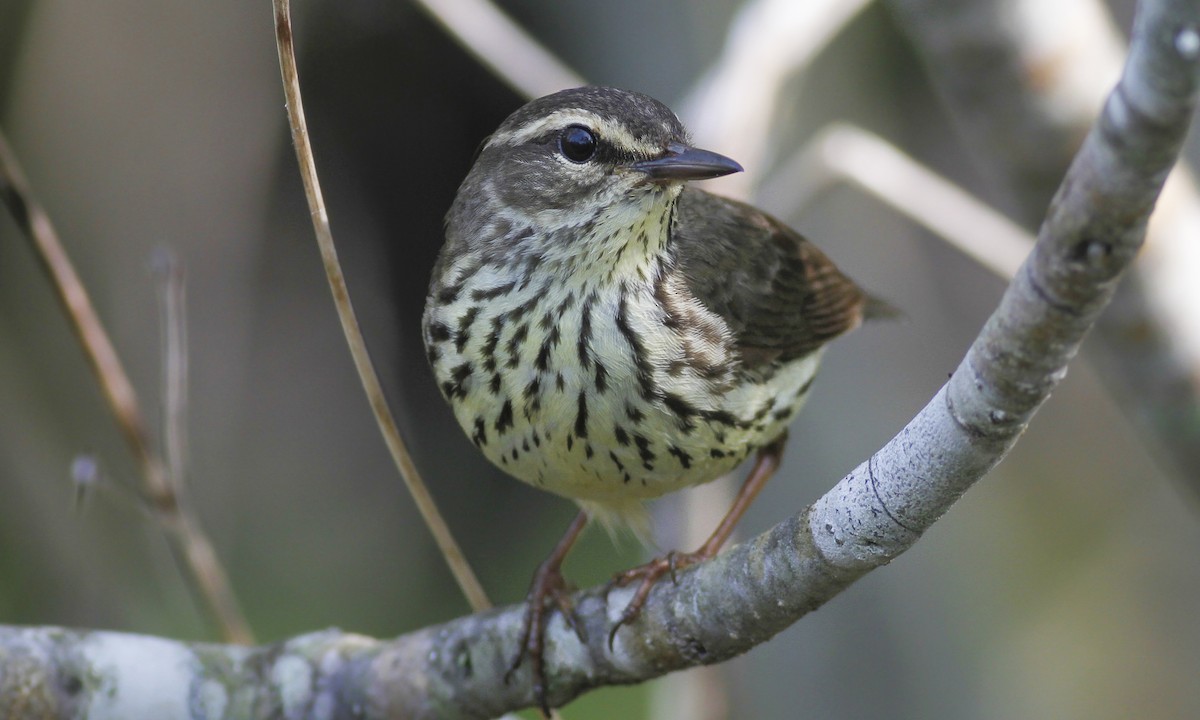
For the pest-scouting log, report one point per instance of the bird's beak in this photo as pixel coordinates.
(681, 162)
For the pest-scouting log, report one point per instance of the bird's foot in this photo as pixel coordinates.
(548, 590)
(646, 576)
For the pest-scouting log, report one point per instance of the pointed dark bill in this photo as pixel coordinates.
(681, 162)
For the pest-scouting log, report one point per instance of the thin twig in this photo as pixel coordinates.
(114, 382)
(189, 543)
(173, 321)
(459, 567)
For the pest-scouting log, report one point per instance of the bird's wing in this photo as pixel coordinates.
(780, 295)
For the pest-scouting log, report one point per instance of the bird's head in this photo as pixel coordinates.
(565, 159)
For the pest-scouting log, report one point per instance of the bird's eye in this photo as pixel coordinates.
(577, 144)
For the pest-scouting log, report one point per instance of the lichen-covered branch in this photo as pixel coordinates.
(722, 608)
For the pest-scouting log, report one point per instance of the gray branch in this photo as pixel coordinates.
(724, 607)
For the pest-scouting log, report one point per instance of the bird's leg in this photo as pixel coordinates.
(548, 584)
(765, 465)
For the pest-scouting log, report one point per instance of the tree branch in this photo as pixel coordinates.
(846, 153)
(724, 607)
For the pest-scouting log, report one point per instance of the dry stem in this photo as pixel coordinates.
(189, 543)
(461, 570)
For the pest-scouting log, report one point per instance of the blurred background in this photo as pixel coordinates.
(1062, 585)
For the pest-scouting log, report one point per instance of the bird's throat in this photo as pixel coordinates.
(625, 242)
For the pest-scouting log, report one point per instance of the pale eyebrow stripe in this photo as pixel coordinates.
(611, 132)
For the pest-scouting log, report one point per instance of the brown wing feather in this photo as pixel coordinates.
(781, 296)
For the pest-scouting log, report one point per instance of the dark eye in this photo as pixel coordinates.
(577, 144)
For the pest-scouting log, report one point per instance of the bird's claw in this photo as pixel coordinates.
(647, 575)
(548, 587)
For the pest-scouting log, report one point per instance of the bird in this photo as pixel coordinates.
(605, 331)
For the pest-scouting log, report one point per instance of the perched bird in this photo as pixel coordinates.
(606, 332)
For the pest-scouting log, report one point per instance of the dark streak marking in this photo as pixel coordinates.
(684, 458)
(514, 345)
(493, 339)
(585, 331)
(505, 420)
(462, 335)
(581, 416)
(450, 293)
(532, 396)
(601, 377)
(640, 360)
(684, 410)
(679, 406)
(492, 293)
(456, 386)
(724, 418)
(647, 455)
(551, 341)
(524, 308)
(671, 316)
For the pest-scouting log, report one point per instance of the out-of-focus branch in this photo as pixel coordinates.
(172, 310)
(189, 543)
(518, 59)
(845, 153)
(459, 567)
(734, 105)
(1023, 78)
(744, 596)
(97, 347)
